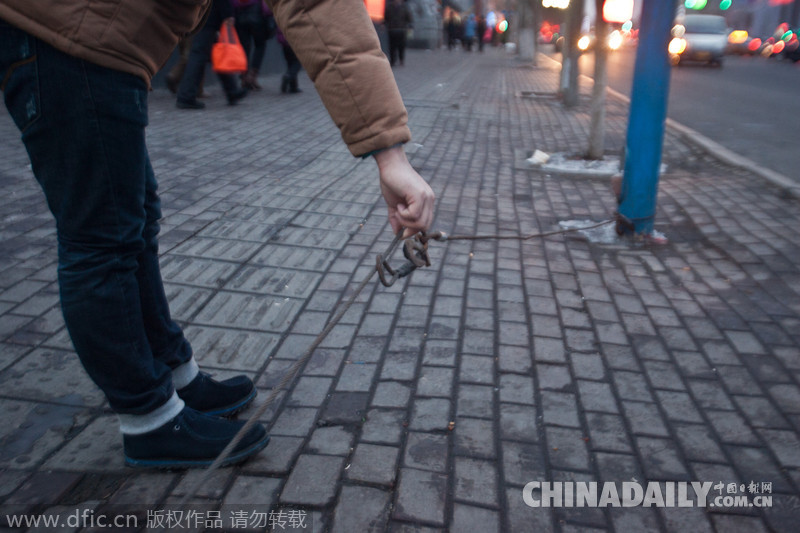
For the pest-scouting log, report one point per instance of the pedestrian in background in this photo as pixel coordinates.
(289, 81)
(398, 20)
(469, 32)
(75, 82)
(255, 26)
(451, 27)
(200, 56)
(481, 28)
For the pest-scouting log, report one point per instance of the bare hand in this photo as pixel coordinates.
(409, 197)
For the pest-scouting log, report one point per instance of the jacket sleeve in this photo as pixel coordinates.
(337, 44)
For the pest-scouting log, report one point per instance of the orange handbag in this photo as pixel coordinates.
(227, 54)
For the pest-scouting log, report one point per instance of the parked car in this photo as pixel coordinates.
(699, 37)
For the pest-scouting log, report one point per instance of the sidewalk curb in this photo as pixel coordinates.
(787, 186)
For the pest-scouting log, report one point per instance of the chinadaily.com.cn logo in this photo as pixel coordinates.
(650, 494)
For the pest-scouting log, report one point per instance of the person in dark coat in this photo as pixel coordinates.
(398, 20)
(200, 55)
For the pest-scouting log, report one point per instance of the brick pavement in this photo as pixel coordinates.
(554, 360)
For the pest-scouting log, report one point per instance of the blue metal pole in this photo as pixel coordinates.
(648, 113)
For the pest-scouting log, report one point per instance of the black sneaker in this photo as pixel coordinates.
(236, 95)
(219, 398)
(192, 440)
(189, 104)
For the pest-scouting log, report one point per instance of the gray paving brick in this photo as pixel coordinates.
(421, 497)
(745, 342)
(651, 348)
(710, 395)
(262, 313)
(310, 391)
(560, 408)
(786, 396)
(474, 437)
(294, 421)
(466, 518)
(400, 366)
(522, 463)
(567, 448)
(361, 509)
(431, 414)
(233, 349)
(731, 428)
(426, 451)
(518, 422)
(65, 380)
(476, 481)
(439, 352)
(515, 388)
(597, 396)
(383, 426)
(251, 492)
(587, 366)
(356, 378)
(277, 458)
(366, 349)
(477, 369)
(313, 480)
(644, 418)
(545, 326)
(475, 401)
(663, 375)
(554, 377)
(619, 357)
(524, 519)
(660, 459)
(607, 432)
(679, 406)
(373, 463)
(332, 440)
(435, 381)
(548, 350)
(391, 394)
(785, 445)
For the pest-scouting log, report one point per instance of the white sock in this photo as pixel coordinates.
(138, 424)
(184, 374)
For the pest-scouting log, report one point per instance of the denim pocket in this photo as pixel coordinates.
(19, 75)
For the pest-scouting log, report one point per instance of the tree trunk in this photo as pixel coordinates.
(569, 54)
(598, 112)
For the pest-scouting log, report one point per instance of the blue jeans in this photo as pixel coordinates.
(84, 129)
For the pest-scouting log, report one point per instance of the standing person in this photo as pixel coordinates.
(200, 55)
(255, 26)
(75, 82)
(397, 18)
(293, 66)
(469, 32)
(452, 30)
(481, 25)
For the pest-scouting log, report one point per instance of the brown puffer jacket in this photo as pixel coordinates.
(334, 39)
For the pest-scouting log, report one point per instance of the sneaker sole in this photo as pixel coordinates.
(231, 410)
(182, 464)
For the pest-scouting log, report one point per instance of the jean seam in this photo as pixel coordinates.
(136, 345)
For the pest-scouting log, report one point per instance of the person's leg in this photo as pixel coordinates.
(401, 47)
(392, 47)
(293, 69)
(199, 55)
(87, 151)
(83, 127)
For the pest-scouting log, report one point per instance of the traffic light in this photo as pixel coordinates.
(618, 10)
(724, 5)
